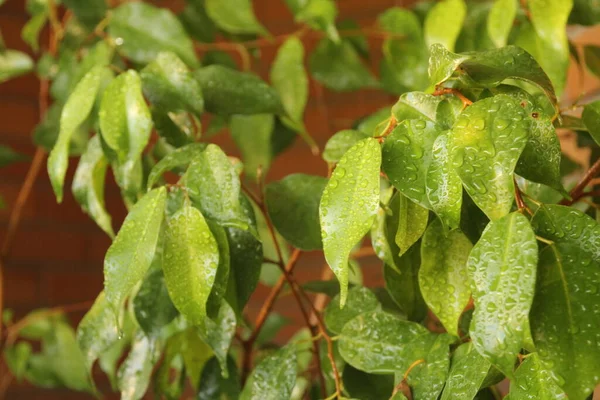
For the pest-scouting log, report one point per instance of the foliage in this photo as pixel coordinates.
(456, 186)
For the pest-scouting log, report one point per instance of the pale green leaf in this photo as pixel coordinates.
(412, 222)
(218, 334)
(533, 382)
(290, 79)
(274, 377)
(502, 269)
(500, 21)
(340, 142)
(443, 275)
(444, 21)
(467, 373)
(178, 157)
(349, 205)
(487, 140)
(141, 31)
(416, 105)
(135, 372)
(319, 15)
(72, 369)
(130, 255)
(14, 63)
(75, 111)
(252, 135)
(190, 261)
(360, 300)
(591, 119)
(234, 16)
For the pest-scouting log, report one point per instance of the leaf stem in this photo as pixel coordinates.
(519, 199)
(441, 91)
(578, 190)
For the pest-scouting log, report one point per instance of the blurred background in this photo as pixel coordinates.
(57, 255)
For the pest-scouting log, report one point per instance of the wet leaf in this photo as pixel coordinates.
(252, 135)
(340, 142)
(293, 206)
(274, 377)
(221, 281)
(234, 16)
(416, 105)
(427, 379)
(533, 381)
(563, 322)
(412, 222)
(135, 372)
(591, 119)
(443, 23)
(290, 79)
(361, 385)
(360, 301)
(128, 258)
(14, 63)
(190, 261)
(141, 31)
(500, 21)
(443, 275)
(502, 268)
(76, 110)
(212, 384)
(487, 140)
(169, 85)
(467, 373)
(218, 334)
(178, 157)
(349, 205)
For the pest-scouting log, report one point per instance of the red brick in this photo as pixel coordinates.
(21, 287)
(72, 286)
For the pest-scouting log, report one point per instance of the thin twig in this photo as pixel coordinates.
(441, 91)
(578, 190)
(519, 199)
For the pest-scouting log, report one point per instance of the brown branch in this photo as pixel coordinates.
(519, 198)
(578, 190)
(363, 252)
(441, 91)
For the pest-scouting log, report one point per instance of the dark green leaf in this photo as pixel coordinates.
(169, 85)
(218, 334)
(178, 157)
(252, 135)
(90, 13)
(500, 21)
(443, 23)
(340, 142)
(349, 205)
(9, 156)
(487, 140)
(467, 373)
(14, 63)
(130, 255)
(427, 379)
(212, 384)
(502, 268)
(293, 206)
(234, 16)
(141, 31)
(591, 55)
(190, 261)
(339, 67)
(274, 377)
(360, 300)
(361, 385)
(228, 92)
(135, 372)
(197, 22)
(591, 119)
(443, 275)
(533, 381)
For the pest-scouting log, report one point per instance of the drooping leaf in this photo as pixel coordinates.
(169, 85)
(169, 379)
(75, 111)
(500, 21)
(533, 381)
(442, 183)
(190, 261)
(108, 360)
(360, 300)
(349, 205)
(274, 377)
(591, 119)
(214, 186)
(218, 334)
(361, 385)
(227, 92)
(178, 157)
(234, 16)
(194, 350)
(141, 31)
(14, 63)
(289, 78)
(128, 258)
(31, 30)
(339, 67)
(378, 342)
(407, 153)
(563, 322)
(427, 379)
(443, 275)
(293, 206)
(88, 185)
(502, 269)
(487, 140)
(412, 222)
(340, 142)
(467, 373)
(252, 135)
(319, 15)
(443, 23)
(135, 372)
(212, 384)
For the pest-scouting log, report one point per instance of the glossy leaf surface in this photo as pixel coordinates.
(467, 373)
(533, 381)
(360, 301)
(234, 16)
(274, 377)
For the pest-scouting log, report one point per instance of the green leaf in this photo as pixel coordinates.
(9, 156)
(130, 255)
(378, 342)
(349, 205)
(562, 325)
(17, 358)
(97, 331)
(169, 380)
(339, 67)
(442, 183)
(88, 185)
(293, 206)
(289, 78)
(467, 373)
(75, 111)
(370, 124)
(563, 224)
(549, 18)
(152, 305)
(90, 13)
(141, 31)
(14, 63)
(500, 21)
(443, 274)
(221, 281)
(271, 328)
(197, 22)
(110, 358)
(169, 85)
(416, 105)
(195, 352)
(212, 384)
(31, 30)
(591, 119)
(502, 268)
(252, 135)
(591, 54)
(407, 153)
(340, 142)
(227, 92)
(178, 157)
(234, 16)
(361, 385)
(319, 15)
(412, 222)
(190, 261)
(533, 381)
(218, 334)
(72, 370)
(443, 23)
(361, 300)
(427, 379)
(487, 140)
(135, 372)
(214, 187)
(274, 377)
